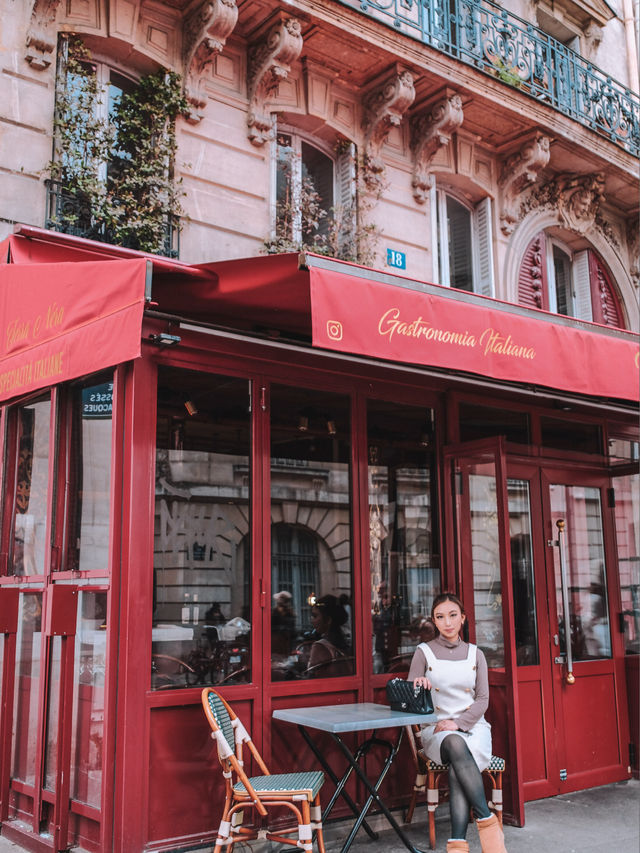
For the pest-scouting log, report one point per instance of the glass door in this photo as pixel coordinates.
(477, 511)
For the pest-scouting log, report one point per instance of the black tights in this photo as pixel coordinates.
(466, 788)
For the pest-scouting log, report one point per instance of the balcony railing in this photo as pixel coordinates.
(487, 37)
(71, 214)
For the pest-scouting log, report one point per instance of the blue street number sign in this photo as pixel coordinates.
(396, 259)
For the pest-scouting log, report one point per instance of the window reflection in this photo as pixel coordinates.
(26, 699)
(88, 477)
(403, 536)
(311, 571)
(524, 599)
(31, 484)
(586, 572)
(201, 614)
(627, 515)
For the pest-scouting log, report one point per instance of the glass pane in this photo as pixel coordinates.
(485, 555)
(25, 706)
(287, 222)
(571, 435)
(524, 598)
(32, 479)
(88, 481)
(562, 273)
(403, 533)
(579, 506)
(53, 710)
(484, 422)
(317, 183)
(202, 590)
(88, 698)
(460, 249)
(311, 541)
(627, 514)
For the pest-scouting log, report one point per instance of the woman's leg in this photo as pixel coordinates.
(458, 806)
(465, 782)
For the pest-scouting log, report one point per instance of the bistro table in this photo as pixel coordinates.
(359, 717)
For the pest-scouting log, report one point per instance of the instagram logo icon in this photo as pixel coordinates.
(334, 330)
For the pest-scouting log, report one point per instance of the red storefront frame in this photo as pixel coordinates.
(157, 801)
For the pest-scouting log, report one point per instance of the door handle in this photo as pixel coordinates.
(560, 524)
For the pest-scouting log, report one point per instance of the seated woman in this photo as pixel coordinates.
(461, 737)
(329, 653)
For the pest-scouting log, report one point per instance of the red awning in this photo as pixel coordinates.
(346, 308)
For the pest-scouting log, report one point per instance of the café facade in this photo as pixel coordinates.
(180, 444)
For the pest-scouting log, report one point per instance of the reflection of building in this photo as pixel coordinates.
(319, 430)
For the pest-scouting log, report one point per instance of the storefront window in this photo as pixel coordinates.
(586, 577)
(30, 464)
(26, 698)
(524, 598)
(403, 533)
(88, 698)
(627, 515)
(202, 594)
(311, 565)
(88, 476)
(485, 422)
(564, 435)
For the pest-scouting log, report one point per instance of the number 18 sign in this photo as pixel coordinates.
(396, 259)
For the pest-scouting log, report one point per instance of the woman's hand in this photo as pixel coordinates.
(421, 681)
(446, 726)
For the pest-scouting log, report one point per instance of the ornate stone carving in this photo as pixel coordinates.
(384, 108)
(41, 35)
(633, 247)
(575, 198)
(592, 37)
(269, 62)
(205, 31)
(579, 199)
(429, 133)
(519, 171)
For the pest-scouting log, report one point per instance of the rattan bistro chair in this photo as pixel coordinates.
(299, 792)
(430, 775)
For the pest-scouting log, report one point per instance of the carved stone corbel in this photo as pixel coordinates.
(205, 32)
(41, 35)
(579, 199)
(430, 132)
(269, 62)
(384, 108)
(520, 171)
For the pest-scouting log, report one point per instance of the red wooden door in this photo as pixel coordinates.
(583, 643)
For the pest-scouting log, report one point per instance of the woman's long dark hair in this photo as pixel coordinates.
(335, 616)
(453, 598)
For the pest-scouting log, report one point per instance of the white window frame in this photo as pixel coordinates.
(481, 215)
(580, 305)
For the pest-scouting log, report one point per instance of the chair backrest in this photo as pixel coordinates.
(221, 714)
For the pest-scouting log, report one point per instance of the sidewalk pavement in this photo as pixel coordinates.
(598, 820)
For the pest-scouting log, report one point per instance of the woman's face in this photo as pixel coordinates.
(317, 620)
(449, 620)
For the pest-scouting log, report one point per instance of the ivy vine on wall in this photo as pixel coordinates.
(113, 174)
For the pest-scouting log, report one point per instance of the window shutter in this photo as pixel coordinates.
(582, 285)
(484, 248)
(345, 206)
(532, 279)
(604, 299)
(435, 236)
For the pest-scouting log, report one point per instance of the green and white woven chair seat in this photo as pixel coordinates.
(496, 764)
(306, 782)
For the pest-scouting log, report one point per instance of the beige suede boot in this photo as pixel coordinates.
(491, 836)
(457, 847)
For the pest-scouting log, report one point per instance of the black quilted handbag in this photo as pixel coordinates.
(403, 696)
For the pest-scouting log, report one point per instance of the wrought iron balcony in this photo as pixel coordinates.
(70, 213)
(481, 34)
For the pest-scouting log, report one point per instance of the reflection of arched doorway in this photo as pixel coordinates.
(294, 567)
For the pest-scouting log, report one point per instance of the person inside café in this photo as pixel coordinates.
(456, 672)
(330, 651)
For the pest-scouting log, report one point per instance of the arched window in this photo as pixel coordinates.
(463, 243)
(574, 283)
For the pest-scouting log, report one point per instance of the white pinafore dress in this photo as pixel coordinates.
(453, 684)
